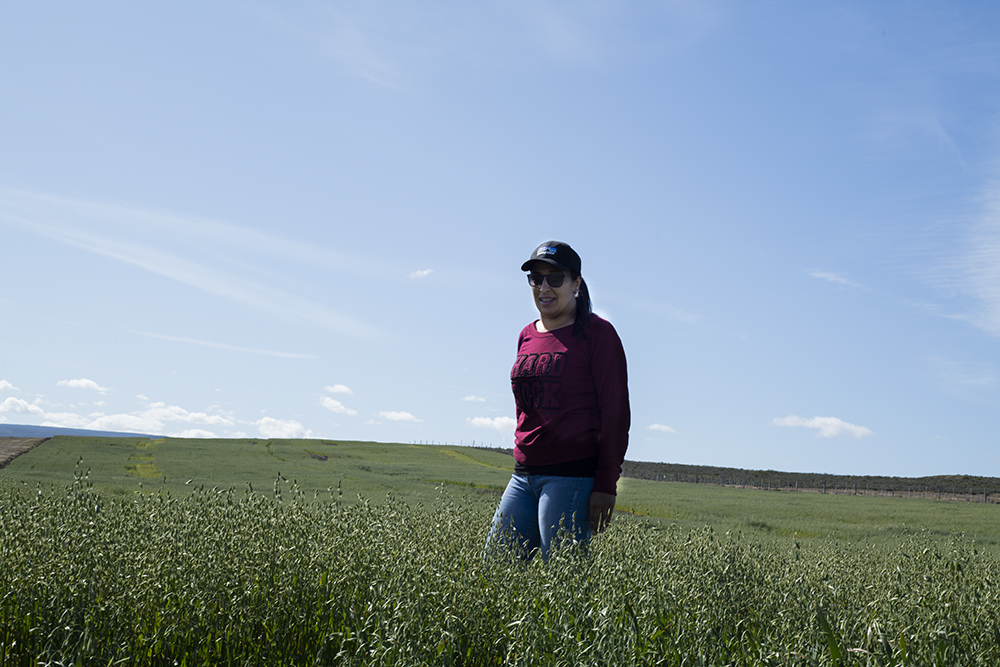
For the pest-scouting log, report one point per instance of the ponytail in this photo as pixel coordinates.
(583, 310)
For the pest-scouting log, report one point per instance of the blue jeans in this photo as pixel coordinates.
(535, 509)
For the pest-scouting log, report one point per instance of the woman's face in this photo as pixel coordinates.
(556, 305)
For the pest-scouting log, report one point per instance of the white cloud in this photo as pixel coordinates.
(661, 427)
(20, 406)
(336, 406)
(65, 419)
(829, 427)
(421, 273)
(133, 423)
(4, 385)
(152, 420)
(194, 433)
(474, 399)
(399, 416)
(503, 424)
(269, 427)
(82, 383)
(161, 412)
(339, 389)
(835, 278)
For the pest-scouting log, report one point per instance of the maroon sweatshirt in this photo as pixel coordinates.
(572, 399)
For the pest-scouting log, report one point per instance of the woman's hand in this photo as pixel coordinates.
(601, 507)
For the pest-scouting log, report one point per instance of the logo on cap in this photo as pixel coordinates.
(546, 250)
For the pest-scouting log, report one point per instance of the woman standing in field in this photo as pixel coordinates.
(571, 390)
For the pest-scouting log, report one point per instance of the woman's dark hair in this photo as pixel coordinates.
(583, 310)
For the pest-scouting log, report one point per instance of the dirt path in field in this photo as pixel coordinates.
(11, 448)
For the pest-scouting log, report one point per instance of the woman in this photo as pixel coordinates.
(571, 389)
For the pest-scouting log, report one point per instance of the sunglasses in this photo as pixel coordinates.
(553, 279)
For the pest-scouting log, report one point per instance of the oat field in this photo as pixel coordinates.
(281, 576)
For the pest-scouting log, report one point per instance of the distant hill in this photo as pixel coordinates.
(25, 431)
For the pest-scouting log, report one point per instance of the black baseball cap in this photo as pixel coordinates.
(556, 253)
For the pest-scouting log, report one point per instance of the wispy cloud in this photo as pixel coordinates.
(82, 383)
(836, 279)
(395, 416)
(186, 249)
(963, 266)
(7, 386)
(223, 346)
(504, 425)
(981, 264)
(422, 273)
(665, 309)
(390, 45)
(957, 377)
(336, 406)
(587, 33)
(365, 45)
(363, 40)
(897, 129)
(338, 389)
(829, 427)
(663, 428)
(474, 399)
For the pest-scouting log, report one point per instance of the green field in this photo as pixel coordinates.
(789, 514)
(413, 473)
(368, 469)
(197, 552)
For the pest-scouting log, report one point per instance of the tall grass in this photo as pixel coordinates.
(240, 577)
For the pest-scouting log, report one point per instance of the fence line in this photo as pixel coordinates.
(923, 492)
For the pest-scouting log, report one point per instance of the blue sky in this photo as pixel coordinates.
(307, 220)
